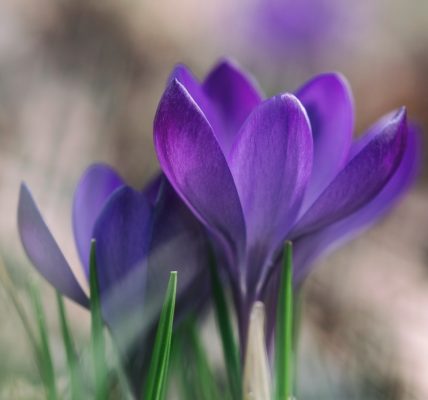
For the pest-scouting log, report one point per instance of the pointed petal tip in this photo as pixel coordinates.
(291, 101)
(23, 189)
(42, 249)
(230, 66)
(401, 113)
(398, 126)
(179, 71)
(335, 81)
(176, 87)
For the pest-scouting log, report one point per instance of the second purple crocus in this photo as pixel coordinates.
(258, 172)
(140, 237)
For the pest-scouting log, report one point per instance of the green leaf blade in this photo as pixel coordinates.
(284, 330)
(72, 362)
(97, 329)
(44, 352)
(224, 323)
(155, 387)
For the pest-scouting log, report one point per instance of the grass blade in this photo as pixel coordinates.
(205, 376)
(97, 330)
(70, 352)
(10, 290)
(155, 386)
(230, 349)
(284, 330)
(44, 352)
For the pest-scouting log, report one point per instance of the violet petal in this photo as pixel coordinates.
(98, 182)
(123, 232)
(312, 246)
(43, 251)
(364, 176)
(233, 96)
(271, 164)
(193, 162)
(328, 101)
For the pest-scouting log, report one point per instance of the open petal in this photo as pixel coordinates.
(96, 185)
(233, 96)
(271, 163)
(312, 246)
(123, 232)
(43, 251)
(328, 101)
(226, 98)
(364, 176)
(194, 164)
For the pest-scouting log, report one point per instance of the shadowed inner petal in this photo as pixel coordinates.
(361, 180)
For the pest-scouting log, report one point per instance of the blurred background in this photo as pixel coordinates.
(80, 82)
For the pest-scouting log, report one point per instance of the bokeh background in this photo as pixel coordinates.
(80, 81)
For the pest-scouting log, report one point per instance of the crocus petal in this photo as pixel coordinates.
(233, 96)
(308, 248)
(183, 75)
(328, 101)
(271, 163)
(361, 180)
(123, 233)
(179, 243)
(153, 189)
(43, 251)
(193, 162)
(96, 185)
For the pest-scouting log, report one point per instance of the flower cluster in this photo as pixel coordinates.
(240, 174)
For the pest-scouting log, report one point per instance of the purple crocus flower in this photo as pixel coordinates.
(140, 237)
(258, 172)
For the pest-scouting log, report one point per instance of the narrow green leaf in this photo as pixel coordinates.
(284, 330)
(44, 349)
(97, 330)
(205, 377)
(155, 387)
(10, 289)
(123, 383)
(230, 349)
(184, 375)
(70, 352)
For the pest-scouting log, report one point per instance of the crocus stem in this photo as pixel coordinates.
(257, 380)
(284, 330)
(97, 333)
(230, 349)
